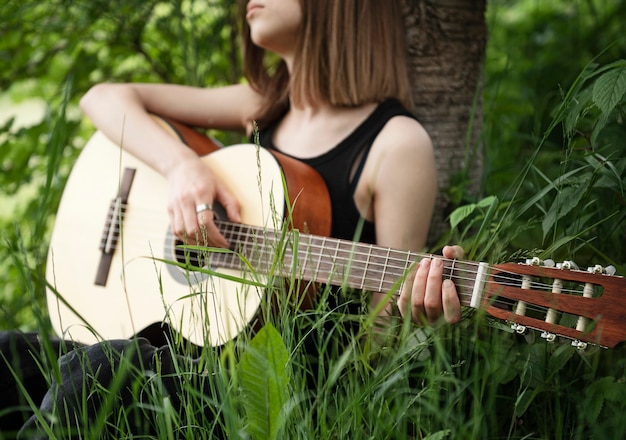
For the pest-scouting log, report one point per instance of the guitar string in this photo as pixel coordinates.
(348, 258)
(270, 252)
(265, 253)
(262, 252)
(535, 310)
(354, 263)
(461, 283)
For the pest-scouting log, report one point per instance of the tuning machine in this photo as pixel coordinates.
(536, 261)
(518, 328)
(608, 270)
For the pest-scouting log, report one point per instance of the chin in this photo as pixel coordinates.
(263, 41)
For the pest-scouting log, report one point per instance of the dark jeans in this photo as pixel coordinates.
(74, 387)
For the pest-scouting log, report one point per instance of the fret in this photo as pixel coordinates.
(401, 262)
(366, 267)
(408, 261)
(337, 245)
(382, 278)
(404, 261)
(307, 251)
(319, 258)
(349, 264)
(348, 272)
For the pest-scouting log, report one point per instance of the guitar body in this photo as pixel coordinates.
(139, 286)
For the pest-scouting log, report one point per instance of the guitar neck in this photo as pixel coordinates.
(556, 300)
(334, 261)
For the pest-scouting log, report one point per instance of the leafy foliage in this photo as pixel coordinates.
(553, 135)
(576, 207)
(55, 51)
(554, 131)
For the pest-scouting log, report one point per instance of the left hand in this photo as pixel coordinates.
(427, 296)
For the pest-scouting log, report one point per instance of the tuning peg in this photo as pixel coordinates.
(549, 337)
(536, 261)
(579, 345)
(567, 265)
(609, 270)
(518, 328)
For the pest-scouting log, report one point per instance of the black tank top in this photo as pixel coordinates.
(335, 168)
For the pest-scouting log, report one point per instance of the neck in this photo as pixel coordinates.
(333, 261)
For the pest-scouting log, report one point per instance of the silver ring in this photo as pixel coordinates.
(203, 207)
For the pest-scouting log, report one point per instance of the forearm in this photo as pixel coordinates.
(119, 113)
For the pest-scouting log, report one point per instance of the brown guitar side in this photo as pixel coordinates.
(311, 209)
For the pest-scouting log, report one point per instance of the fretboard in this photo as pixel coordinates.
(332, 261)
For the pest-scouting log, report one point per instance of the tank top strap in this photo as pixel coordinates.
(371, 128)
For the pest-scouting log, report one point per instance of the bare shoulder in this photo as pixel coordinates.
(401, 176)
(402, 138)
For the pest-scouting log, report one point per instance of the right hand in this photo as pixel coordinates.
(191, 184)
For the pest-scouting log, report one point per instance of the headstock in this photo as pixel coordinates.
(559, 300)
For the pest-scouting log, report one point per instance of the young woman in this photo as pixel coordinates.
(337, 98)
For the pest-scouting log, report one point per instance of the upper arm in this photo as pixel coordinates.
(222, 108)
(401, 175)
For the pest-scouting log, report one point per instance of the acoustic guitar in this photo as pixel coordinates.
(114, 267)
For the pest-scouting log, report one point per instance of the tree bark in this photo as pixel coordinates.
(446, 43)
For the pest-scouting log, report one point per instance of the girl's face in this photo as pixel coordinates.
(274, 24)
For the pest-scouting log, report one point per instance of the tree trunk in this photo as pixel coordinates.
(447, 40)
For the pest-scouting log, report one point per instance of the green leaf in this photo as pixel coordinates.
(438, 435)
(487, 201)
(524, 400)
(595, 396)
(264, 381)
(608, 388)
(560, 358)
(461, 213)
(609, 89)
(567, 199)
(575, 110)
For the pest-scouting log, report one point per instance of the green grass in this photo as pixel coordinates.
(320, 373)
(305, 375)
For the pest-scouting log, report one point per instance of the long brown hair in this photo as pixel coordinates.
(349, 53)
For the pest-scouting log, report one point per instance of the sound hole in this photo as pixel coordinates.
(197, 257)
(190, 257)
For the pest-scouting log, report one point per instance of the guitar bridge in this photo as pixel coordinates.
(113, 227)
